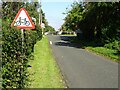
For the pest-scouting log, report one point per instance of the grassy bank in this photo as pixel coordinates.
(109, 53)
(44, 70)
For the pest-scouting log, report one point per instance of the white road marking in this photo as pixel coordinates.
(51, 42)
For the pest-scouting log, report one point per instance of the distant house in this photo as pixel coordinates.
(60, 32)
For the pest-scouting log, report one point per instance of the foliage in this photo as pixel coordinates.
(99, 21)
(92, 18)
(73, 16)
(14, 55)
(9, 10)
(113, 54)
(49, 28)
(14, 62)
(33, 7)
(31, 37)
(113, 45)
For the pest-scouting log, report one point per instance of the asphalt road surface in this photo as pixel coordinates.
(83, 69)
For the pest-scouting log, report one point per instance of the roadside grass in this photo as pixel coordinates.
(109, 53)
(67, 35)
(44, 72)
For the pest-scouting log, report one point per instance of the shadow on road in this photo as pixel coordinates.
(68, 44)
(66, 41)
(73, 41)
(67, 38)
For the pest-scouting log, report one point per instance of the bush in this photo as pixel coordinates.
(114, 45)
(14, 60)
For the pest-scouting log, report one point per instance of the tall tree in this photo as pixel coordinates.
(98, 20)
(73, 16)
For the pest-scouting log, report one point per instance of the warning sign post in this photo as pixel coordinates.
(23, 21)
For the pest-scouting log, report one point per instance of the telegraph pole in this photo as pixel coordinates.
(40, 14)
(40, 18)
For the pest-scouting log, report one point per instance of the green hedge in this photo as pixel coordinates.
(14, 62)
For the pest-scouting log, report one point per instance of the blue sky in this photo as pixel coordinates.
(54, 12)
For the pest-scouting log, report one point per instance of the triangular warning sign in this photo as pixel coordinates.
(23, 20)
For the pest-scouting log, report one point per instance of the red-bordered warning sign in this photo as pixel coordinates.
(23, 20)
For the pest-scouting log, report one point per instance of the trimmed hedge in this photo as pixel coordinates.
(14, 62)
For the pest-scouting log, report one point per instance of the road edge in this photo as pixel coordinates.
(55, 58)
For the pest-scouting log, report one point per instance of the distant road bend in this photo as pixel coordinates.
(83, 69)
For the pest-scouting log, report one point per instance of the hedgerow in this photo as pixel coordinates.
(15, 57)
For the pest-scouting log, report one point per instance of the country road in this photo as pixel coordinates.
(83, 69)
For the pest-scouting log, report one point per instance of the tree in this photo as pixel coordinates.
(98, 20)
(14, 54)
(73, 16)
(9, 10)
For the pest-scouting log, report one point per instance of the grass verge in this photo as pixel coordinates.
(111, 54)
(44, 70)
(67, 35)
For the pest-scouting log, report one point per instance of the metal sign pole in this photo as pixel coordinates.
(22, 53)
(22, 35)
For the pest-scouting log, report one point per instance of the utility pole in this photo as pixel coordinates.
(40, 14)
(40, 18)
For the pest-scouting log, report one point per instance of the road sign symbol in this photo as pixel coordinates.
(42, 25)
(23, 20)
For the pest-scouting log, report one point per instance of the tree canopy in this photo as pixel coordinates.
(97, 20)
